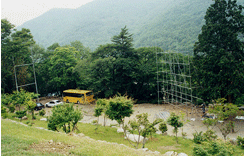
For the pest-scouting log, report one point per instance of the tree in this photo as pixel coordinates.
(118, 108)
(20, 98)
(65, 117)
(101, 106)
(218, 53)
(225, 113)
(174, 121)
(119, 60)
(123, 43)
(30, 106)
(84, 52)
(14, 51)
(53, 47)
(58, 70)
(6, 28)
(143, 127)
(38, 53)
(145, 73)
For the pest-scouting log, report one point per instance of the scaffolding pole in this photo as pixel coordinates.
(174, 78)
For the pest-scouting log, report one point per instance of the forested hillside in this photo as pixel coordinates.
(126, 36)
(168, 24)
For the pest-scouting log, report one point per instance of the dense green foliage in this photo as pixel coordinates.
(119, 67)
(240, 141)
(163, 127)
(213, 148)
(112, 68)
(65, 117)
(101, 107)
(218, 53)
(174, 121)
(226, 113)
(119, 107)
(14, 51)
(42, 112)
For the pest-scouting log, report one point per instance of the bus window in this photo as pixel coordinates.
(89, 93)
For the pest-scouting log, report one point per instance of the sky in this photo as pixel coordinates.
(19, 11)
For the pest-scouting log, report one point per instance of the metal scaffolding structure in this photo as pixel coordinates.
(34, 74)
(174, 79)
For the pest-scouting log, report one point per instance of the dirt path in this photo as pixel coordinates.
(193, 115)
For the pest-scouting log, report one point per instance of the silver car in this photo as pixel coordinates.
(53, 103)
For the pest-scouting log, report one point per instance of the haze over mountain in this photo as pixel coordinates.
(170, 24)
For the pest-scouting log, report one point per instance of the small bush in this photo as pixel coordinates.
(213, 148)
(184, 134)
(198, 138)
(209, 135)
(20, 114)
(4, 115)
(163, 127)
(42, 112)
(3, 109)
(199, 151)
(240, 141)
(11, 108)
(94, 122)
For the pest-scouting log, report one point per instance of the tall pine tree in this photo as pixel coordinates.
(218, 53)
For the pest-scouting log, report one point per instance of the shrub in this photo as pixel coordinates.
(42, 112)
(198, 138)
(199, 151)
(240, 101)
(20, 114)
(11, 108)
(65, 117)
(4, 115)
(163, 127)
(209, 135)
(143, 127)
(95, 122)
(3, 109)
(213, 148)
(240, 141)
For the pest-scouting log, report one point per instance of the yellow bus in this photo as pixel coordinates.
(78, 96)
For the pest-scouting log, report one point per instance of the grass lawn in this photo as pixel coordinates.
(18, 140)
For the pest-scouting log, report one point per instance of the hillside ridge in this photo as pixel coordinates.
(171, 25)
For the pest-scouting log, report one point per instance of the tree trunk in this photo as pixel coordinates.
(32, 114)
(104, 121)
(229, 99)
(144, 141)
(176, 136)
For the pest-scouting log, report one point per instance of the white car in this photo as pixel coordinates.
(53, 103)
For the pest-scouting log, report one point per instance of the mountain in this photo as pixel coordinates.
(170, 24)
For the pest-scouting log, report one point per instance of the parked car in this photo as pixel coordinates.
(53, 103)
(39, 106)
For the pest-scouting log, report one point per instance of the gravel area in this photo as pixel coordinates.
(193, 115)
